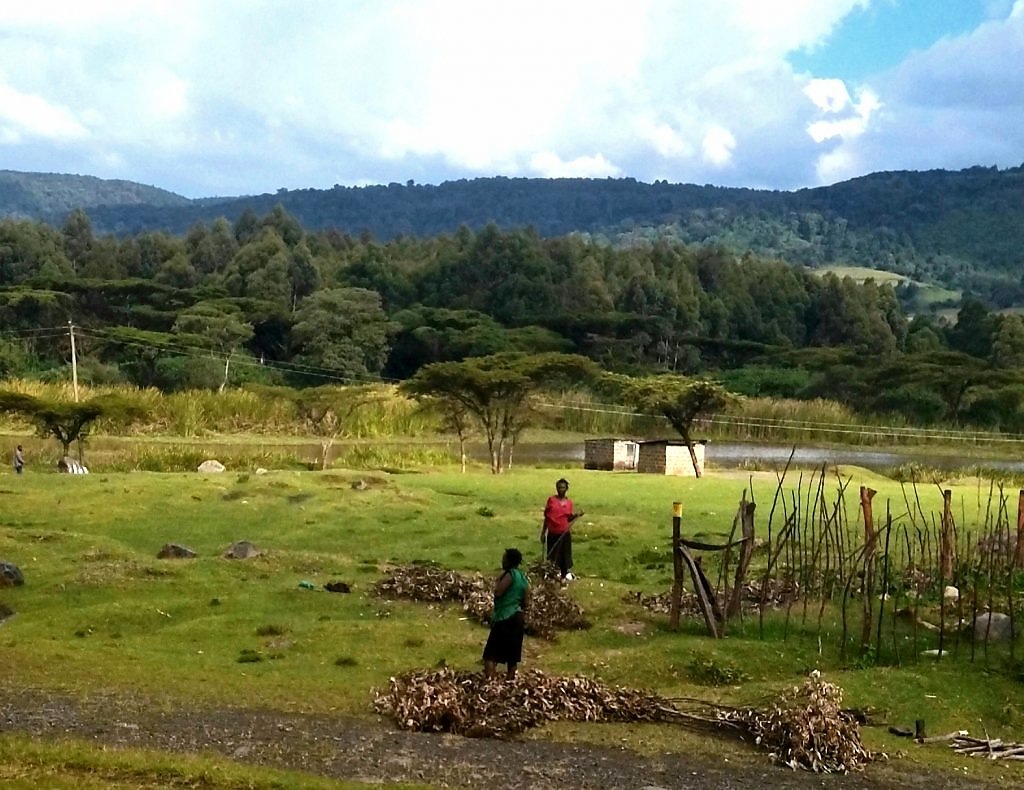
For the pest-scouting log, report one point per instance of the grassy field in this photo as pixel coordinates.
(99, 612)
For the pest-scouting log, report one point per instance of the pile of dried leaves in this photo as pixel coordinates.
(805, 727)
(777, 593)
(550, 610)
(423, 582)
(468, 703)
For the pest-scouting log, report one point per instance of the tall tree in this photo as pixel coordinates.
(343, 331)
(680, 400)
(497, 390)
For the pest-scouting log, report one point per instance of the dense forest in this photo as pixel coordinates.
(962, 230)
(264, 300)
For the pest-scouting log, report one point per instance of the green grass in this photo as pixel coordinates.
(100, 612)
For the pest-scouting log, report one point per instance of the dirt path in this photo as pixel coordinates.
(356, 749)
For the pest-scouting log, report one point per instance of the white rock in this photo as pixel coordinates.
(211, 466)
(951, 594)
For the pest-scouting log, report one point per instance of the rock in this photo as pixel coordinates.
(210, 467)
(241, 550)
(10, 575)
(261, 471)
(995, 624)
(359, 485)
(175, 551)
(5, 612)
(338, 587)
(951, 594)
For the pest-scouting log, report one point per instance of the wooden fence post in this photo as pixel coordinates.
(867, 583)
(747, 521)
(947, 550)
(677, 566)
(1018, 554)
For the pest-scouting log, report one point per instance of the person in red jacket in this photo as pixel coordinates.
(556, 532)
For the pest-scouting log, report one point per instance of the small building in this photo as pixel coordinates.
(670, 457)
(610, 455)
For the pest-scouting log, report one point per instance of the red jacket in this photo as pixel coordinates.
(556, 515)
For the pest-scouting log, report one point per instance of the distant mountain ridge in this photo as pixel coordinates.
(40, 195)
(964, 228)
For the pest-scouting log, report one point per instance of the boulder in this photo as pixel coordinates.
(261, 471)
(951, 593)
(10, 575)
(338, 587)
(995, 625)
(210, 467)
(241, 550)
(175, 551)
(5, 612)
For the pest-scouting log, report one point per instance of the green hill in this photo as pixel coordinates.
(962, 230)
(43, 195)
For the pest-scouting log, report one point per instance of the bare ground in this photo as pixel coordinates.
(363, 750)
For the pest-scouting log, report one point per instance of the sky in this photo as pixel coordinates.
(231, 97)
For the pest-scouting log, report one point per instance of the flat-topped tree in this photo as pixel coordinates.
(496, 390)
(70, 422)
(679, 399)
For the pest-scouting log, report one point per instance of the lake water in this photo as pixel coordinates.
(731, 455)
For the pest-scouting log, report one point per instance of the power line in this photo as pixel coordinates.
(196, 352)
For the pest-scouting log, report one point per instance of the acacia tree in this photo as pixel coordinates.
(680, 400)
(496, 390)
(70, 422)
(328, 411)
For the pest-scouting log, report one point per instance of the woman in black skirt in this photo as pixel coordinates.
(508, 623)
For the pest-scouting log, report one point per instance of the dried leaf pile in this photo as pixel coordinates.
(804, 728)
(777, 593)
(467, 703)
(425, 583)
(550, 610)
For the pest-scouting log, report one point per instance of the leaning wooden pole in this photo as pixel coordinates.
(677, 566)
(707, 607)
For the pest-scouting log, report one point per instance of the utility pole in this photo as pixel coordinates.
(74, 360)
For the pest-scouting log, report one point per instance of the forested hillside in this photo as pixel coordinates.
(265, 300)
(963, 230)
(49, 195)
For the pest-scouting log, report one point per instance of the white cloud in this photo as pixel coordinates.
(718, 146)
(829, 95)
(548, 164)
(847, 128)
(24, 115)
(250, 95)
(957, 104)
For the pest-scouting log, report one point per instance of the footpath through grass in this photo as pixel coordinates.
(99, 612)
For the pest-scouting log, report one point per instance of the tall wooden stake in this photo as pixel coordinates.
(867, 583)
(1018, 553)
(677, 566)
(947, 550)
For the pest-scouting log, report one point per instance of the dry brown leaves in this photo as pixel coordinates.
(467, 703)
(777, 593)
(550, 610)
(807, 728)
